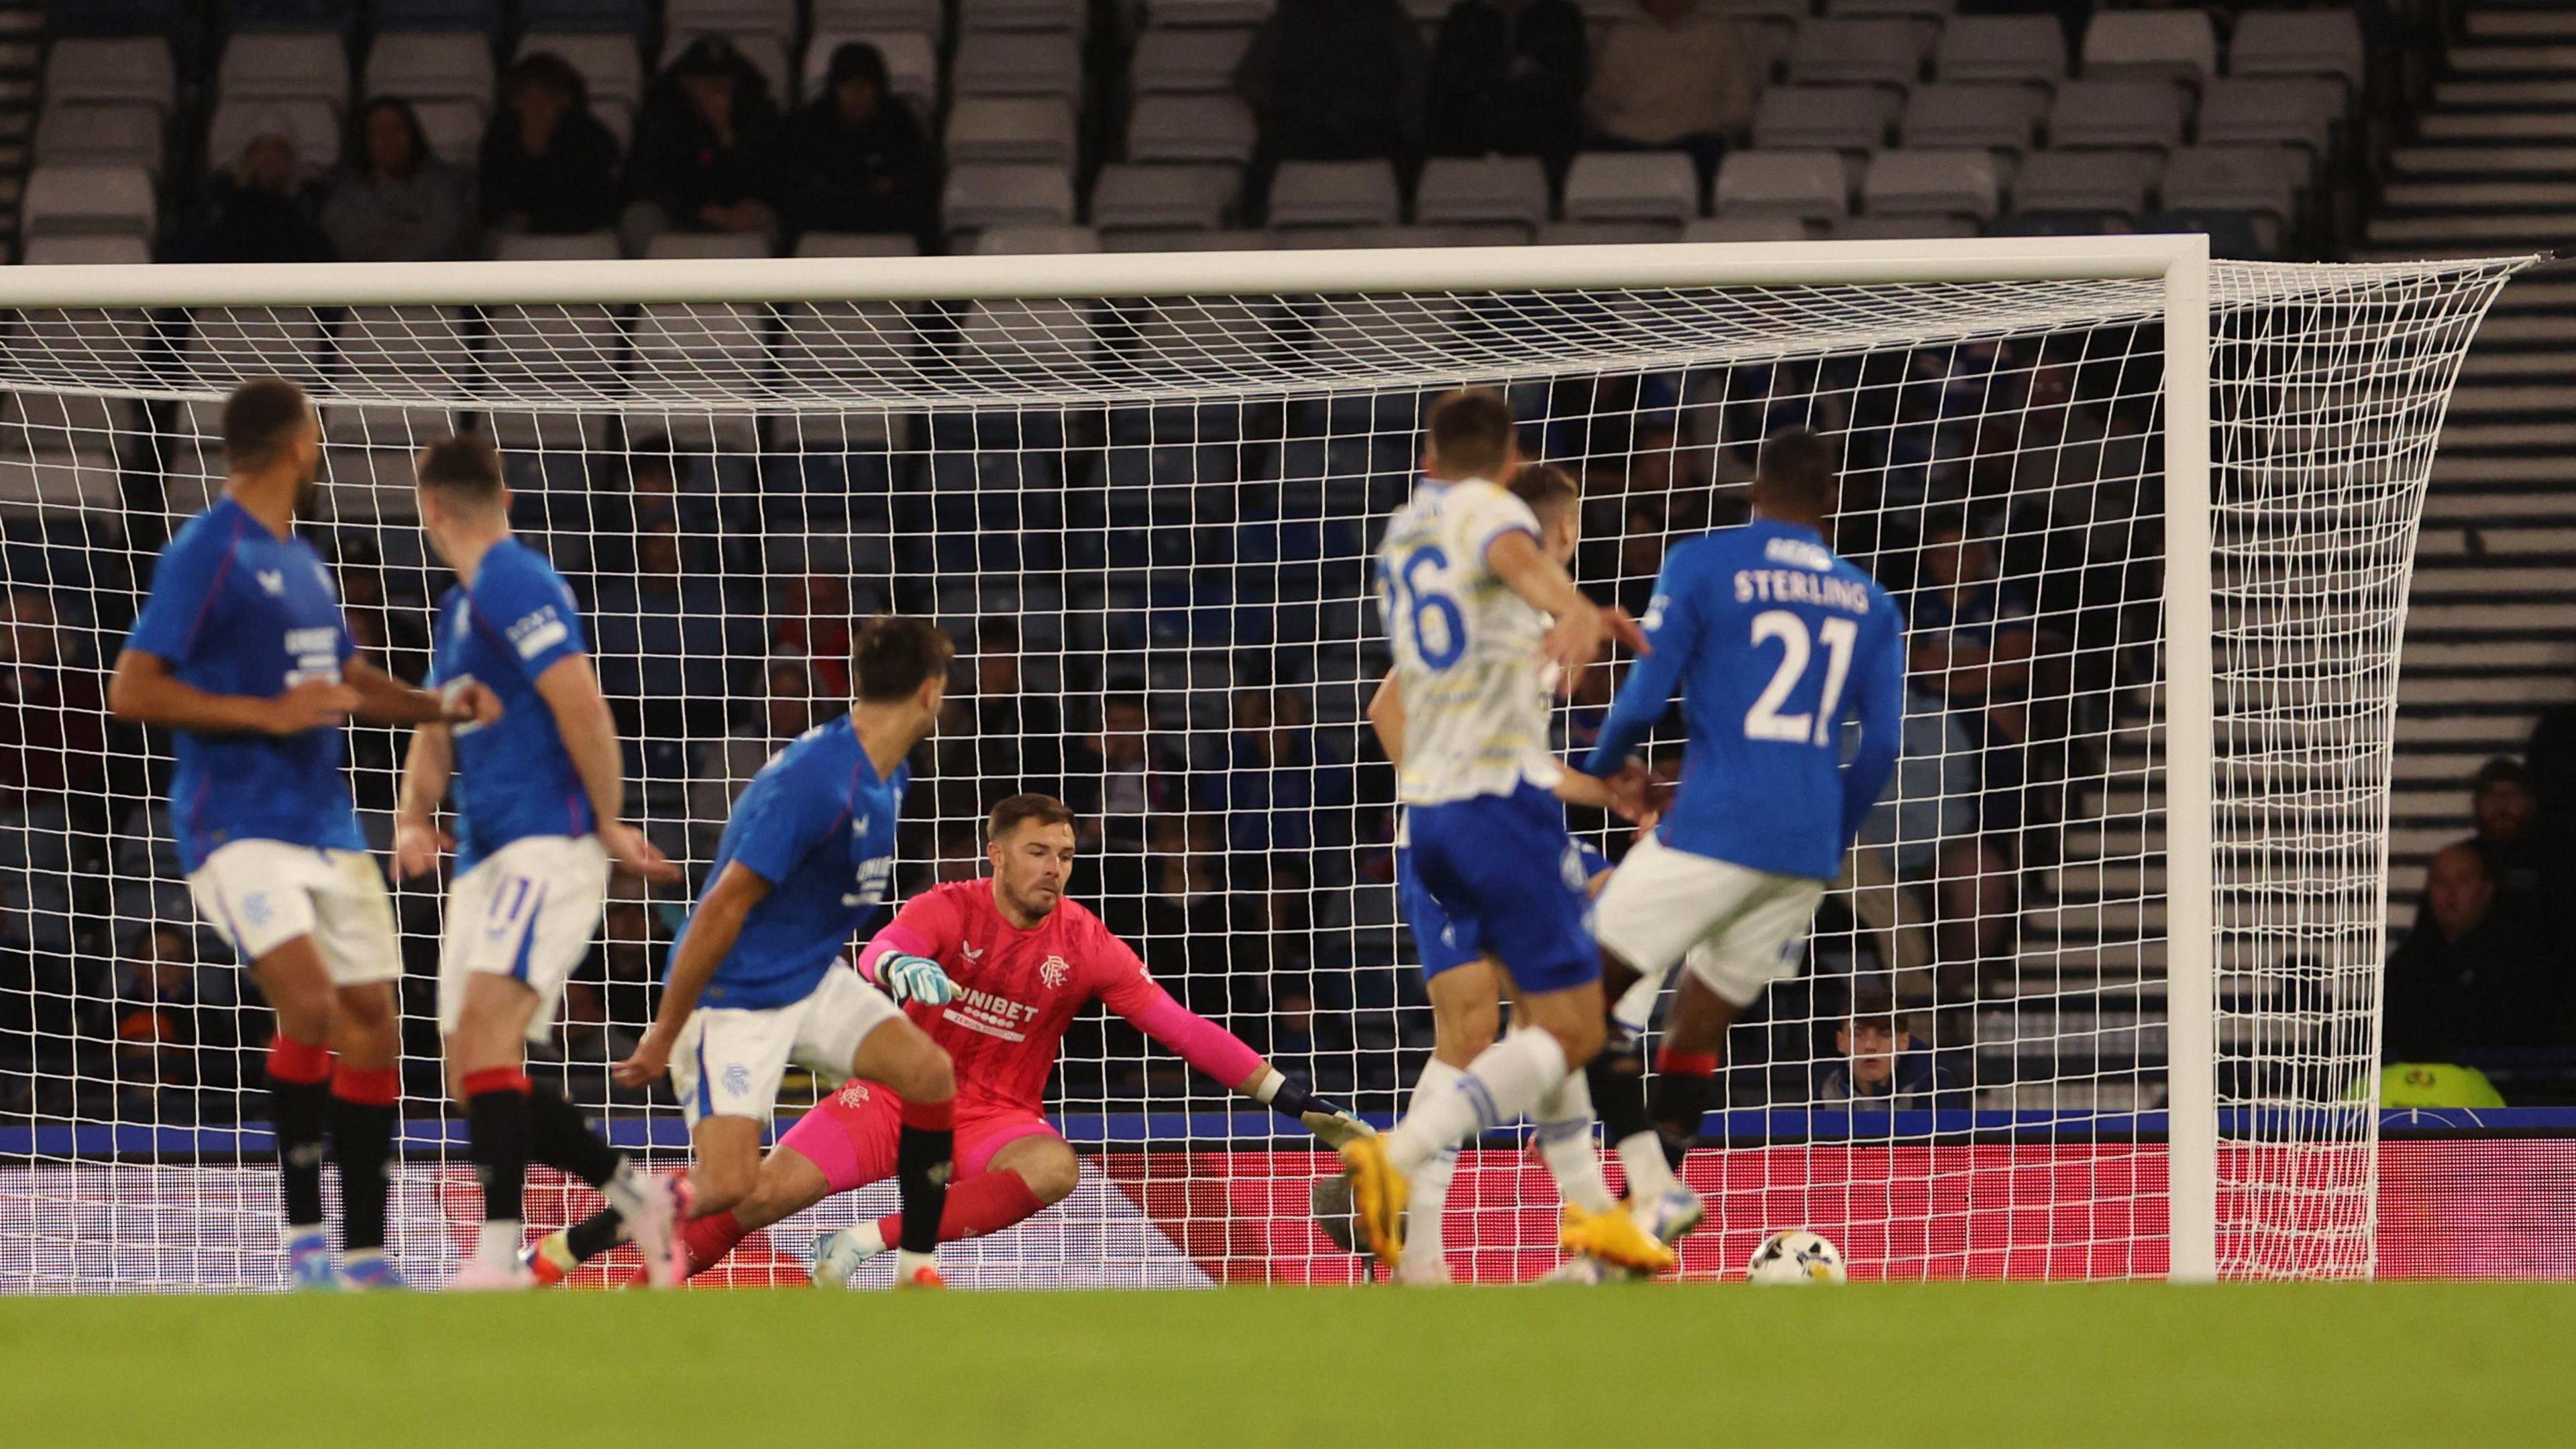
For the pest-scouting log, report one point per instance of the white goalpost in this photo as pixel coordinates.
(2098, 996)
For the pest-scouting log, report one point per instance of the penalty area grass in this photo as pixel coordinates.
(1907, 1365)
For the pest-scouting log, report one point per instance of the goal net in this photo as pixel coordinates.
(2097, 996)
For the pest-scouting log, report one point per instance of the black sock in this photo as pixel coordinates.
(298, 1111)
(362, 1144)
(1617, 1078)
(560, 1137)
(497, 1132)
(1681, 1099)
(921, 1169)
(594, 1235)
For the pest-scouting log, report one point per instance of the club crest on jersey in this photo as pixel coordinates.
(737, 1079)
(853, 1093)
(1053, 972)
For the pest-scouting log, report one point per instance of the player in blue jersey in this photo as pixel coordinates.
(756, 978)
(1465, 982)
(242, 652)
(1482, 621)
(540, 800)
(1775, 645)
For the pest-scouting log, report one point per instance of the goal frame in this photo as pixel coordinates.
(2180, 263)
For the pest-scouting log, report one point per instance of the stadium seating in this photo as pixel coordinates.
(1836, 117)
(110, 133)
(432, 66)
(1008, 194)
(1008, 63)
(1128, 197)
(2299, 110)
(1745, 229)
(2026, 49)
(766, 54)
(610, 65)
(1188, 62)
(63, 452)
(1060, 15)
(1658, 187)
(1510, 190)
(113, 200)
(1012, 128)
(1872, 51)
(289, 67)
(1948, 182)
(911, 57)
(924, 17)
(2151, 44)
(127, 68)
(2298, 42)
(1997, 117)
(2085, 181)
(394, 347)
(312, 126)
(2263, 181)
(2122, 113)
(1334, 193)
(1190, 128)
(1807, 185)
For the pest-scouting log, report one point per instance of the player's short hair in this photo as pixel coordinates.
(892, 656)
(464, 467)
(1545, 488)
(260, 418)
(1017, 809)
(1796, 467)
(1470, 432)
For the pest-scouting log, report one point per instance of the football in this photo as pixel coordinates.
(1330, 1201)
(1795, 1256)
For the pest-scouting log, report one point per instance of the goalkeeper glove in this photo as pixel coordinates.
(909, 978)
(1334, 1125)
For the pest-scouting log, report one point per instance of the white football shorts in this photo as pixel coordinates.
(527, 911)
(1739, 929)
(262, 894)
(728, 1062)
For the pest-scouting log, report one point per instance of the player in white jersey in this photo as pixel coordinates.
(1468, 592)
(1464, 983)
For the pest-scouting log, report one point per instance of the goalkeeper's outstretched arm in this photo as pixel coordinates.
(1226, 1057)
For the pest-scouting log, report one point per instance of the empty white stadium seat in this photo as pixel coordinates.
(1205, 13)
(1640, 186)
(706, 246)
(114, 200)
(1190, 128)
(1808, 185)
(2298, 42)
(610, 65)
(431, 65)
(1903, 226)
(1004, 341)
(589, 246)
(911, 57)
(1874, 51)
(735, 18)
(855, 244)
(226, 344)
(2085, 180)
(2300, 109)
(2026, 49)
(417, 345)
(1002, 63)
(1486, 189)
(1064, 15)
(1956, 181)
(1999, 117)
(59, 453)
(2092, 113)
(2262, 179)
(1011, 128)
(2169, 44)
(122, 68)
(101, 133)
(1933, 11)
(1030, 241)
(85, 251)
(1187, 61)
(1745, 229)
(285, 67)
(925, 16)
(1334, 193)
(1131, 197)
(1841, 118)
(311, 126)
(1008, 194)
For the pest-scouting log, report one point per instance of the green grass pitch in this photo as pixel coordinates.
(2419, 1364)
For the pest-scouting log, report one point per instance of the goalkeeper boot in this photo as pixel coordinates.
(1671, 1216)
(371, 1272)
(308, 1257)
(549, 1259)
(1378, 1195)
(1614, 1238)
(838, 1255)
(917, 1270)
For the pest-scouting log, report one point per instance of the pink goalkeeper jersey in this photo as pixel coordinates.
(1018, 990)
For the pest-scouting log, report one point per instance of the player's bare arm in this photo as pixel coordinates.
(144, 691)
(713, 928)
(570, 688)
(427, 767)
(1386, 717)
(385, 700)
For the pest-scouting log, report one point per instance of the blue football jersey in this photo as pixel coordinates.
(514, 778)
(1774, 643)
(237, 610)
(818, 825)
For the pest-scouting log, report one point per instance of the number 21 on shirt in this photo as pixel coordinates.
(1766, 720)
(1415, 604)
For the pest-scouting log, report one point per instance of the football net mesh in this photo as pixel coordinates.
(1149, 526)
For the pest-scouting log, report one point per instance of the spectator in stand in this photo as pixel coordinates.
(610, 997)
(2470, 976)
(549, 164)
(1673, 77)
(856, 158)
(1019, 737)
(1507, 79)
(392, 200)
(1278, 796)
(1879, 1065)
(1335, 80)
(1971, 640)
(2528, 864)
(665, 638)
(262, 210)
(1117, 780)
(814, 626)
(706, 149)
(175, 1028)
(53, 723)
(787, 708)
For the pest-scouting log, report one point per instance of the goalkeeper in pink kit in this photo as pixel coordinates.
(994, 970)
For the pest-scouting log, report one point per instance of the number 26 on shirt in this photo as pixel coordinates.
(1440, 644)
(1765, 721)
